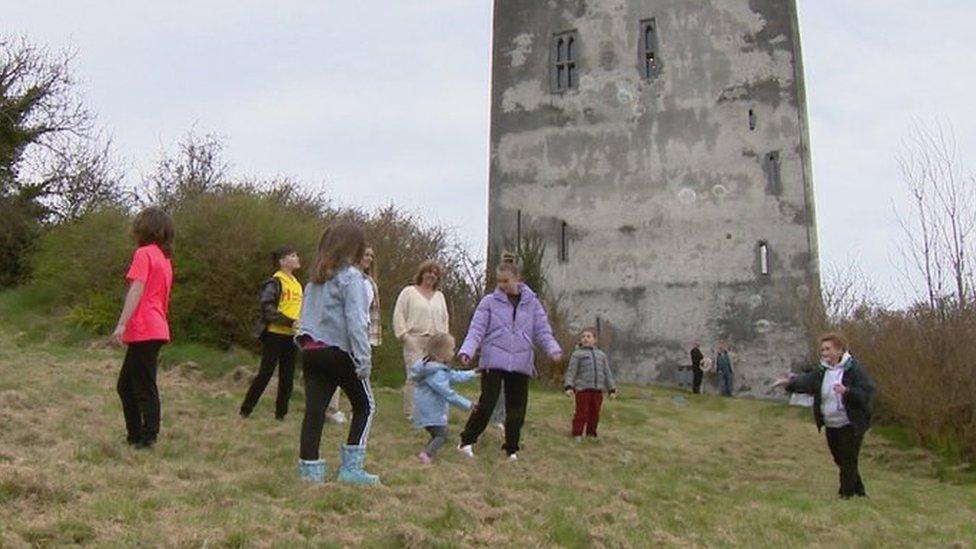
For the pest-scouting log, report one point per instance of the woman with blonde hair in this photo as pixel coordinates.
(419, 313)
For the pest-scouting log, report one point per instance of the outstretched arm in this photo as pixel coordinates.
(441, 384)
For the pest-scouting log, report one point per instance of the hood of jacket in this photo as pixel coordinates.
(424, 368)
(846, 363)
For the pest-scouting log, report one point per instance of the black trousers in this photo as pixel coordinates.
(276, 350)
(696, 379)
(516, 387)
(324, 371)
(845, 446)
(138, 391)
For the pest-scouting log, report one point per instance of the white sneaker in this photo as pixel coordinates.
(338, 417)
(466, 451)
(578, 439)
(512, 457)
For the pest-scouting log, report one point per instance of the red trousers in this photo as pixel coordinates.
(587, 415)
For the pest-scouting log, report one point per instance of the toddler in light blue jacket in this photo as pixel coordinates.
(434, 394)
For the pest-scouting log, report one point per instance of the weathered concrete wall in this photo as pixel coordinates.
(662, 183)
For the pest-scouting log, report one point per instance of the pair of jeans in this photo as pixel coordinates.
(845, 447)
(587, 415)
(324, 371)
(516, 387)
(277, 350)
(726, 381)
(138, 391)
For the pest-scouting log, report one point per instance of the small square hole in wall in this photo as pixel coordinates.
(728, 236)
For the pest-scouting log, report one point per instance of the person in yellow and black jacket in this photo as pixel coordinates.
(281, 302)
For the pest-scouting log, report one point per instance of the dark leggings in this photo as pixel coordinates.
(324, 371)
(138, 391)
(276, 350)
(438, 436)
(516, 387)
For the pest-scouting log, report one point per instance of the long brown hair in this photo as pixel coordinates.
(428, 267)
(341, 245)
(154, 226)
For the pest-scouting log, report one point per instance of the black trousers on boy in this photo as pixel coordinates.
(276, 350)
(696, 379)
(325, 370)
(845, 446)
(138, 391)
(516, 387)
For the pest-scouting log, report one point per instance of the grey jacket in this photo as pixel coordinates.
(589, 369)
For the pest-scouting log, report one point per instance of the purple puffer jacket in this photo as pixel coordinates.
(506, 341)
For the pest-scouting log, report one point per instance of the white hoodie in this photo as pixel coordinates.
(831, 403)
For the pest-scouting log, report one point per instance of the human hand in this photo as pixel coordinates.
(117, 334)
(840, 389)
(558, 357)
(570, 393)
(613, 396)
(464, 359)
(782, 381)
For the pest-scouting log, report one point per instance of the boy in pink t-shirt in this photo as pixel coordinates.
(143, 325)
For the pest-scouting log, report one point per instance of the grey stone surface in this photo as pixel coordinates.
(665, 189)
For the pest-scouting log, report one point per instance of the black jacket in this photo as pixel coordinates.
(697, 357)
(270, 296)
(857, 400)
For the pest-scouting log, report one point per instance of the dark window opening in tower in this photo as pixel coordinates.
(518, 231)
(752, 120)
(563, 244)
(773, 175)
(650, 62)
(564, 74)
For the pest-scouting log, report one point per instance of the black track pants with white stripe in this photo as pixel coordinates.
(325, 370)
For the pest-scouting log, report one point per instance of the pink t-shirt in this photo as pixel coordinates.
(149, 321)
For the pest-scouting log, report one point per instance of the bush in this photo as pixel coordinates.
(82, 265)
(922, 362)
(222, 254)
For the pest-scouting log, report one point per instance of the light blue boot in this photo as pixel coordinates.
(351, 470)
(312, 471)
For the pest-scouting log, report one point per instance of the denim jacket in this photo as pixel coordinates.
(336, 313)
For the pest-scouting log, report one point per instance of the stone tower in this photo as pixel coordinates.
(660, 149)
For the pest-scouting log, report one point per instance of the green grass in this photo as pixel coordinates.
(710, 472)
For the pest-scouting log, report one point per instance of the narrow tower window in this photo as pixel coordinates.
(752, 120)
(773, 175)
(518, 232)
(563, 243)
(763, 258)
(565, 74)
(649, 59)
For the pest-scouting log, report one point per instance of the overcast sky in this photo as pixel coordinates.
(388, 101)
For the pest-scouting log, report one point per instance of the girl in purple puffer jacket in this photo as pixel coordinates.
(506, 327)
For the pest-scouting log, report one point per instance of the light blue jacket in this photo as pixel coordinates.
(336, 313)
(433, 394)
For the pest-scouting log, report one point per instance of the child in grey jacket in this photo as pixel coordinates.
(587, 377)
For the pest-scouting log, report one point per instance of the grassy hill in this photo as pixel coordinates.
(670, 470)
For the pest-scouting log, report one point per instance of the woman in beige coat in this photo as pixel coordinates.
(419, 313)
